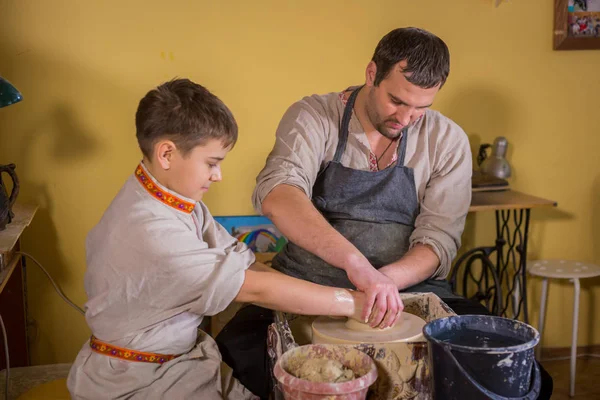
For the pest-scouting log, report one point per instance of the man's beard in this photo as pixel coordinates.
(389, 133)
(379, 123)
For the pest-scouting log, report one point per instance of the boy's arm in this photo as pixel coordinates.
(271, 289)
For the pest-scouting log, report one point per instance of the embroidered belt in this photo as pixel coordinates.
(127, 354)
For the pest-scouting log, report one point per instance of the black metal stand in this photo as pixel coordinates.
(501, 287)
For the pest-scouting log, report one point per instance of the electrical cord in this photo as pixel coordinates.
(7, 358)
(60, 293)
(56, 287)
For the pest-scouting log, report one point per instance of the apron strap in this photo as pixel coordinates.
(343, 139)
(402, 149)
(344, 127)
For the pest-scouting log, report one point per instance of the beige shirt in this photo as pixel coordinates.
(437, 150)
(153, 272)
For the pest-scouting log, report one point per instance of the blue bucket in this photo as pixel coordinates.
(482, 357)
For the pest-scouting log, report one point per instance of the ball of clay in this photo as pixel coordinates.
(361, 326)
(324, 370)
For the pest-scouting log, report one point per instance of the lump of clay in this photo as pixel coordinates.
(362, 327)
(323, 370)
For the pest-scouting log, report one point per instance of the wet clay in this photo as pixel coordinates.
(338, 331)
(361, 326)
(323, 370)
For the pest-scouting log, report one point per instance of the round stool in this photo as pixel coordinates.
(563, 269)
(53, 390)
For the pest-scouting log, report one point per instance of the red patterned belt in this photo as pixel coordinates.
(127, 354)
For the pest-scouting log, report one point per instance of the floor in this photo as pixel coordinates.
(24, 379)
(587, 382)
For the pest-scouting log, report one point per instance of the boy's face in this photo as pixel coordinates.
(192, 175)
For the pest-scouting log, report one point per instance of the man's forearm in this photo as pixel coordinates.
(417, 265)
(296, 217)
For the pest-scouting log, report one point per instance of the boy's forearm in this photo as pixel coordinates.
(268, 288)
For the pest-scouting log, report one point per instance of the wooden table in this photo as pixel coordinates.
(501, 284)
(507, 200)
(13, 298)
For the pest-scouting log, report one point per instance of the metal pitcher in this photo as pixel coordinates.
(6, 200)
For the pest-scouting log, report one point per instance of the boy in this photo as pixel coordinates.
(157, 262)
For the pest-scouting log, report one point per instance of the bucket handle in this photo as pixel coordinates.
(532, 395)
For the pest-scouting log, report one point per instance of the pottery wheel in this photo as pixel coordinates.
(329, 330)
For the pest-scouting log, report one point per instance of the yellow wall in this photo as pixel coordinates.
(82, 67)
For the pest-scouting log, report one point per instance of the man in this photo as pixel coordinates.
(370, 186)
(390, 189)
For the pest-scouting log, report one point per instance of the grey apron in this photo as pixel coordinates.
(375, 211)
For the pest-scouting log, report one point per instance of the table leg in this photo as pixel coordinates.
(524, 265)
(542, 315)
(574, 338)
(511, 256)
(508, 292)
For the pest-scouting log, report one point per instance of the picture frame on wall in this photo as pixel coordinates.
(576, 24)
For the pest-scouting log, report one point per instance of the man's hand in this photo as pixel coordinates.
(383, 304)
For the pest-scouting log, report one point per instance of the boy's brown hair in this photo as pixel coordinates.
(186, 113)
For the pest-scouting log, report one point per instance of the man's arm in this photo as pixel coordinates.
(297, 218)
(283, 191)
(417, 265)
(299, 221)
(440, 223)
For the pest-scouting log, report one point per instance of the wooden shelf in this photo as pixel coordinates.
(23, 216)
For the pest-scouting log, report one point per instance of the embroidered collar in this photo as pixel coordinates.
(162, 194)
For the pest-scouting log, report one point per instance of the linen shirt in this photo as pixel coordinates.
(437, 150)
(157, 263)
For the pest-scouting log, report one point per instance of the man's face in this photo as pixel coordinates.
(395, 103)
